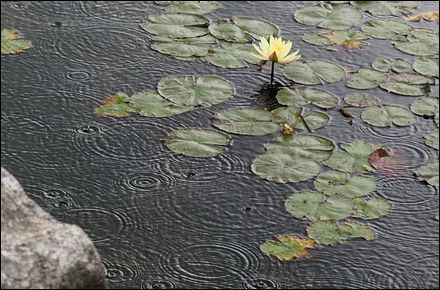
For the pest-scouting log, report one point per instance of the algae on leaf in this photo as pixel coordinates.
(117, 105)
(12, 42)
(288, 247)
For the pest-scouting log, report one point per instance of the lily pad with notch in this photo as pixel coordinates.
(193, 7)
(366, 78)
(288, 247)
(176, 25)
(231, 55)
(429, 173)
(117, 105)
(332, 232)
(420, 42)
(314, 72)
(382, 8)
(385, 29)
(406, 84)
(301, 96)
(295, 118)
(387, 64)
(371, 208)
(385, 116)
(151, 104)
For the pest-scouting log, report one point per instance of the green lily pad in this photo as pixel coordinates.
(386, 64)
(436, 119)
(339, 183)
(191, 92)
(331, 232)
(185, 47)
(345, 38)
(335, 17)
(304, 95)
(361, 100)
(12, 42)
(176, 25)
(313, 205)
(312, 147)
(247, 121)
(197, 142)
(429, 173)
(385, 29)
(432, 139)
(425, 106)
(385, 116)
(292, 116)
(193, 7)
(371, 208)
(151, 104)
(314, 72)
(283, 168)
(419, 42)
(231, 55)
(288, 248)
(394, 8)
(365, 79)
(117, 105)
(353, 158)
(427, 66)
(406, 84)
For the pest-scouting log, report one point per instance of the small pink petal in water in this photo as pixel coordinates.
(385, 161)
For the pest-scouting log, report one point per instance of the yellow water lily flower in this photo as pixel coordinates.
(275, 50)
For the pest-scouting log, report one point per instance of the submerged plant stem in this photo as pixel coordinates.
(271, 74)
(305, 123)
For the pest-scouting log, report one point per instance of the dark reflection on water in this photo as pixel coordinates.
(163, 221)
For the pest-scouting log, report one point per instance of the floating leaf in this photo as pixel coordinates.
(354, 158)
(427, 66)
(176, 25)
(366, 78)
(361, 100)
(346, 39)
(339, 183)
(193, 7)
(385, 116)
(420, 42)
(186, 47)
(425, 106)
(245, 121)
(117, 105)
(371, 208)
(305, 95)
(197, 142)
(337, 17)
(395, 8)
(231, 55)
(385, 29)
(191, 92)
(314, 72)
(151, 104)
(283, 168)
(242, 29)
(386, 64)
(406, 84)
(12, 42)
(292, 116)
(226, 30)
(432, 139)
(288, 248)
(331, 232)
(429, 173)
(430, 16)
(312, 147)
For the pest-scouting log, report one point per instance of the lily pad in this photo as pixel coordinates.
(176, 25)
(312, 147)
(193, 7)
(185, 47)
(288, 248)
(421, 42)
(231, 55)
(429, 173)
(361, 100)
(247, 121)
(432, 139)
(385, 29)
(406, 84)
(365, 79)
(425, 106)
(427, 66)
(331, 232)
(353, 158)
(335, 17)
(385, 116)
(151, 104)
(344, 38)
(371, 208)
(195, 92)
(283, 168)
(197, 142)
(305, 95)
(292, 116)
(386, 64)
(242, 29)
(117, 105)
(12, 42)
(314, 72)
(381, 8)
(339, 183)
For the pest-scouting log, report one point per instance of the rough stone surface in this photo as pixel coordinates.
(38, 251)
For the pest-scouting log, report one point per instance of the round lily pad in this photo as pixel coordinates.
(427, 66)
(117, 105)
(361, 100)
(429, 173)
(242, 29)
(287, 248)
(193, 7)
(304, 95)
(386, 64)
(345, 38)
(335, 17)
(246, 121)
(197, 142)
(185, 47)
(419, 42)
(406, 84)
(331, 232)
(176, 25)
(192, 92)
(432, 139)
(366, 78)
(292, 116)
(371, 208)
(425, 106)
(12, 42)
(385, 29)
(314, 72)
(312, 147)
(283, 168)
(151, 104)
(231, 55)
(385, 116)
(394, 8)
(339, 183)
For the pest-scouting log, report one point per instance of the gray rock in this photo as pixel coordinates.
(38, 251)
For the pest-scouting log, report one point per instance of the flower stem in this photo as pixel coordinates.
(272, 73)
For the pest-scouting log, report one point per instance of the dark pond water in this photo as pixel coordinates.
(161, 220)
